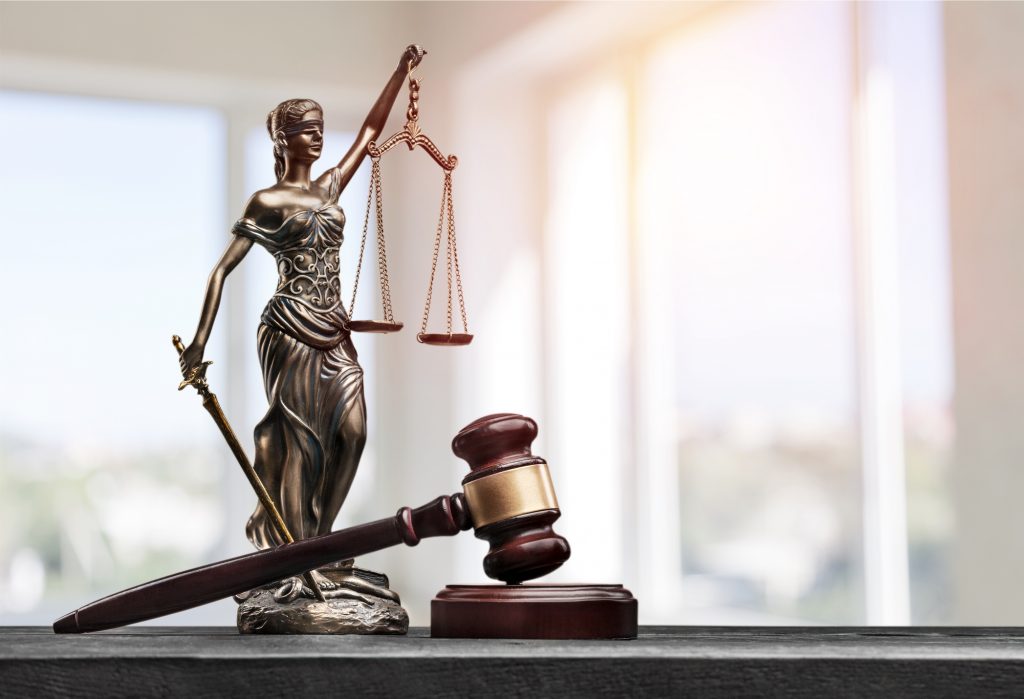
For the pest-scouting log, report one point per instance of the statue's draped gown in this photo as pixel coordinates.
(309, 443)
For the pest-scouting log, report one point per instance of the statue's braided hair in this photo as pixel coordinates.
(285, 114)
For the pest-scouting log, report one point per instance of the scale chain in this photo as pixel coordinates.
(433, 262)
(374, 174)
(448, 201)
(382, 254)
(455, 255)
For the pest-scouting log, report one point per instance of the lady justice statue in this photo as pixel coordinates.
(309, 442)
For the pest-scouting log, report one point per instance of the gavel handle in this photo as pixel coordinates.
(445, 516)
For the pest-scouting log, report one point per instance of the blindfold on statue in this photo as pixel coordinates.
(311, 125)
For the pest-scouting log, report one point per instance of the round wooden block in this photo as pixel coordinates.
(534, 611)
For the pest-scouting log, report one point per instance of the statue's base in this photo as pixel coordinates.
(362, 603)
(534, 611)
(261, 613)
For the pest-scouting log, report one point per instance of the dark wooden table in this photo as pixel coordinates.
(664, 661)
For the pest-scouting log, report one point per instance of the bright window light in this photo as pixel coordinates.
(108, 476)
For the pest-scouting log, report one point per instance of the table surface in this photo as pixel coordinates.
(663, 661)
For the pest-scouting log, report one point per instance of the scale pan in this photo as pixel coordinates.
(450, 339)
(374, 326)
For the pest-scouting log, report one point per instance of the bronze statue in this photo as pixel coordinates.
(309, 442)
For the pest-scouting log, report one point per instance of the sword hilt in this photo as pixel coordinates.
(196, 376)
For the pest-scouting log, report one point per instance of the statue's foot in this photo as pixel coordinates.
(323, 582)
(350, 578)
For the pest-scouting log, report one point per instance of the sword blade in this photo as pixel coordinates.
(212, 406)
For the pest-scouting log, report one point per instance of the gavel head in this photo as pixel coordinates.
(510, 498)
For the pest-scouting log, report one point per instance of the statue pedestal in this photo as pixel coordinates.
(261, 613)
(351, 608)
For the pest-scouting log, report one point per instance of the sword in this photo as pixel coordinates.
(196, 377)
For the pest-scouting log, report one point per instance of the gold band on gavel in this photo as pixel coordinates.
(506, 494)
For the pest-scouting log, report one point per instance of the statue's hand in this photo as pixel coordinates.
(412, 56)
(191, 357)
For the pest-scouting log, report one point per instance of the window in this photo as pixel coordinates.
(588, 277)
(109, 205)
(746, 164)
(747, 294)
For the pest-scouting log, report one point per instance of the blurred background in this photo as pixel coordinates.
(757, 270)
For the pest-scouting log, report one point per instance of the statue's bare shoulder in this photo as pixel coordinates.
(268, 208)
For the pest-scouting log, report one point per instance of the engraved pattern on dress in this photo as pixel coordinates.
(310, 275)
(309, 272)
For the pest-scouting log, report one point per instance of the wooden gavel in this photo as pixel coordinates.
(507, 498)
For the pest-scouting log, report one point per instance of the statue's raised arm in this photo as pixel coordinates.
(375, 120)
